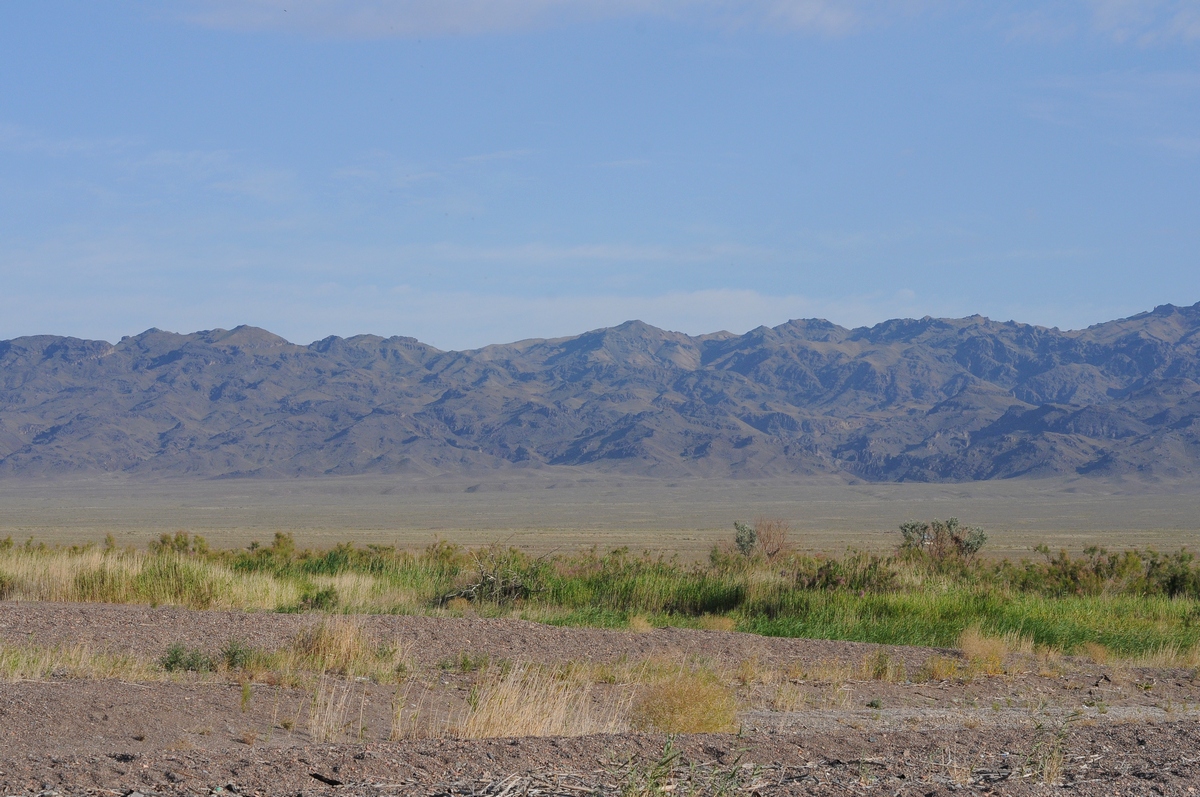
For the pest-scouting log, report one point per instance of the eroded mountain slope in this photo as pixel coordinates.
(927, 399)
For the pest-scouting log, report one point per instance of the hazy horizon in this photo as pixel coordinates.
(116, 341)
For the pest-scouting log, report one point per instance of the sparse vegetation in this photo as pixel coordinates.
(929, 591)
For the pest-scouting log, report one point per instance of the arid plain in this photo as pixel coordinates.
(143, 695)
(564, 510)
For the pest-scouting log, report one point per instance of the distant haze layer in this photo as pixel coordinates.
(905, 400)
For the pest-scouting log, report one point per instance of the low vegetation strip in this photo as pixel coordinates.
(930, 590)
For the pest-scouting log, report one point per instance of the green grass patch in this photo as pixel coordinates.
(927, 592)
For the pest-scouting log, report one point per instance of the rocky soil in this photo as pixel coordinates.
(1048, 725)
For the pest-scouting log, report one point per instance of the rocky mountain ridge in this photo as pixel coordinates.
(908, 399)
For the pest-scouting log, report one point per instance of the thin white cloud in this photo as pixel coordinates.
(1135, 21)
(411, 18)
(1146, 21)
(16, 138)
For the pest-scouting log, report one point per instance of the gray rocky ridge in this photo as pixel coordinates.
(918, 400)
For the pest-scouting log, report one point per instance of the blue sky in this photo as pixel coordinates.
(478, 171)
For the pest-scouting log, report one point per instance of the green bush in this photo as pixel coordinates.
(236, 655)
(179, 658)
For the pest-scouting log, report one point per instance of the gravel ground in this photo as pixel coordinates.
(1092, 729)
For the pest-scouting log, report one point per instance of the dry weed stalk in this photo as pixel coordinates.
(957, 770)
(840, 696)
(331, 700)
(789, 697)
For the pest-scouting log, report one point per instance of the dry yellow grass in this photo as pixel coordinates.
(882, 666)
(750, 671)
(338, 645)
(34, 663)
(360, 592)
(1096, 652)
(828, 671)
(939, 668)
(712, 622)
(121, 576)
(532, 701)
(693, 702)
(788, 697)
(985, 654)
(329, 709)
(640, 625)
(1167, 656)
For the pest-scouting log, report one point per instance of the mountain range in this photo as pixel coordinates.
(905, 400)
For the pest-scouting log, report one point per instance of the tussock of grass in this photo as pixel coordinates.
(1095, 651)
(640, 625)
(692, 702)
(984, 653)
(711, 622)
(532, 701)
(939, 668)
(882, 666)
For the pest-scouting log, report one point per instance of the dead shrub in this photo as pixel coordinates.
(771, 535)
(693, 702)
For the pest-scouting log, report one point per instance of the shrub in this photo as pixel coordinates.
(236, 654)
(181, 542)
(942, 542)
(772, 537)
(315, 600)
(180, 658)
(502, 576)
(692, 702)
(744, 537)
